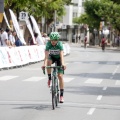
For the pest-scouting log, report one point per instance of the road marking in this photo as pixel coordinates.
(68, 79)
(118, 66)
(111, 77)
(99, 97)
(90, 112)
(117, 82)
(114, 72)
(5, 78)
(34, 79)
(104, 88)
(93, 81)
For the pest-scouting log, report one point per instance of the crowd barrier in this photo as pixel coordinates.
(17, 56)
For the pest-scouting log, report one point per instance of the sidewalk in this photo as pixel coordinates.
(95, 46)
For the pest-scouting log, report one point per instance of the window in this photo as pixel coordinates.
(83, 3)
(75, 4)
(74, 14)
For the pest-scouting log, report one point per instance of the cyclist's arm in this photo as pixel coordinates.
(62, 58)
(46, 58)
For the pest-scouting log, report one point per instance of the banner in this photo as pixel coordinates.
(30, 29)
(17, 56)
(16, 26)
(6, 20)
(36, 29)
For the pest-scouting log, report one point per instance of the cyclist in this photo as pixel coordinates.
(54, 52)
(85, 41)
(103, 42)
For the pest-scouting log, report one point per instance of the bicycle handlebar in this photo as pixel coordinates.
(47, 67)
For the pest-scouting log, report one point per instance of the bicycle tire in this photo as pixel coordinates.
(53, 93)
(57, 92)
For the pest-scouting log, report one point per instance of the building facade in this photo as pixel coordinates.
(69, 31)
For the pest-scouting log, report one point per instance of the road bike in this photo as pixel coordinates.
(55, 84)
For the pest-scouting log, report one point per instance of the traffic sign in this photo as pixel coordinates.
(23, 16)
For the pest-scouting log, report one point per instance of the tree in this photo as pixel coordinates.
(98, 10)
(116, 1)
(38, 8)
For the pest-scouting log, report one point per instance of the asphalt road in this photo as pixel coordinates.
(92, 89)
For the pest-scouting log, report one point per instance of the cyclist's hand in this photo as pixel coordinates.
(43, 67)
(64, 67)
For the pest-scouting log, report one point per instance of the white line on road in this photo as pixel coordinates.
(34, 79)
(117, 82)
(5, 78)
(93, 81)
(104, 88)
(115, 70)
(90, 112)
(118, 66)
(99, 97)
(68, 79)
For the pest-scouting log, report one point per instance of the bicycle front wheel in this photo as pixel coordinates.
(57, 92)
(53, 93)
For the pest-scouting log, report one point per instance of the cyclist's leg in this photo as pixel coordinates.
(61, 84)
(50, 61)
(61, 81)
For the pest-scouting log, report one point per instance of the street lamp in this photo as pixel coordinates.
(43, 22)
(55, 14)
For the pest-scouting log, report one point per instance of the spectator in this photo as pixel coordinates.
(14, 35)
(46, 38)
(38, 40)
(74, 38)
(118, 40)
(77, 37)
(30, 40)
(115, 40)
(10, 37)
(18, 42)
(4, 38)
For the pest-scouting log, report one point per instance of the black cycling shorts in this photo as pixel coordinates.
(58, 61)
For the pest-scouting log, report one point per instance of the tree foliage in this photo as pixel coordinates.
(116, 1)
(99, 10)
(38, 8)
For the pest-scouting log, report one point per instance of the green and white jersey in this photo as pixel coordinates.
(54, 50)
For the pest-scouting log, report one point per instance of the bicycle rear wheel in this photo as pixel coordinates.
(53, 93)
